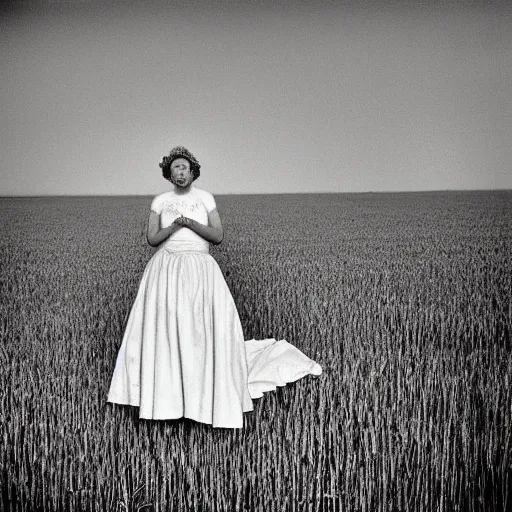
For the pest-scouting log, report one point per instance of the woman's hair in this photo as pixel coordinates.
(179, 152)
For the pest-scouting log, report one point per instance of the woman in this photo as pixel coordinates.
(183, 352)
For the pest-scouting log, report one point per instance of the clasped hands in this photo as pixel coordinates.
(184, 221)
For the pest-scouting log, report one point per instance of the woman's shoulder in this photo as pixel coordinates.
(206, 197)
(160, 199)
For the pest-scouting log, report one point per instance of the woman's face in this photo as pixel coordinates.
(181, 174)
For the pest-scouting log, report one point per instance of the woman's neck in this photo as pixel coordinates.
(182, 191)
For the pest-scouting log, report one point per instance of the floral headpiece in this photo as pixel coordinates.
(179, 152)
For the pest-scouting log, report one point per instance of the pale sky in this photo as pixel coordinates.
(283, 97)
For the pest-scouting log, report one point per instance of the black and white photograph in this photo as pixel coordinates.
(255, 256)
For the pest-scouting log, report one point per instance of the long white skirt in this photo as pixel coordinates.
(183, 352)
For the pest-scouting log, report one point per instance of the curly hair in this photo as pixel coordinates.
(179, 152)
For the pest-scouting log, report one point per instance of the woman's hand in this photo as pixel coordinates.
(184, 222)
(212, 233)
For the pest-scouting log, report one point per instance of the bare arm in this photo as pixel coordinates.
(157, 235)
(212, 233)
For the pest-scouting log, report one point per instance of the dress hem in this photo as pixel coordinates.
(203, 421)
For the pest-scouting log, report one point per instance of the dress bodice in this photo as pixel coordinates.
(194, 204)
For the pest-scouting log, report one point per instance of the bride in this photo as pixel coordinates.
(183, 352)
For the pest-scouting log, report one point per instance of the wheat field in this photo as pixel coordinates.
(403, 298)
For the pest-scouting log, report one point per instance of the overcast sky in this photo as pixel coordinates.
(281, 97)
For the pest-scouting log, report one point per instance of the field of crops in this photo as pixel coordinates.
(404, 299)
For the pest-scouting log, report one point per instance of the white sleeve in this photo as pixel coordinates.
(209, 201)
(156, 204)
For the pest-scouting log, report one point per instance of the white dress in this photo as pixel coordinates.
(183, 352)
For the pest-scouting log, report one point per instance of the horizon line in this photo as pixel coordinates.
(268, 193)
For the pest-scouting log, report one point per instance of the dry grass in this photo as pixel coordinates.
(404, 299)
